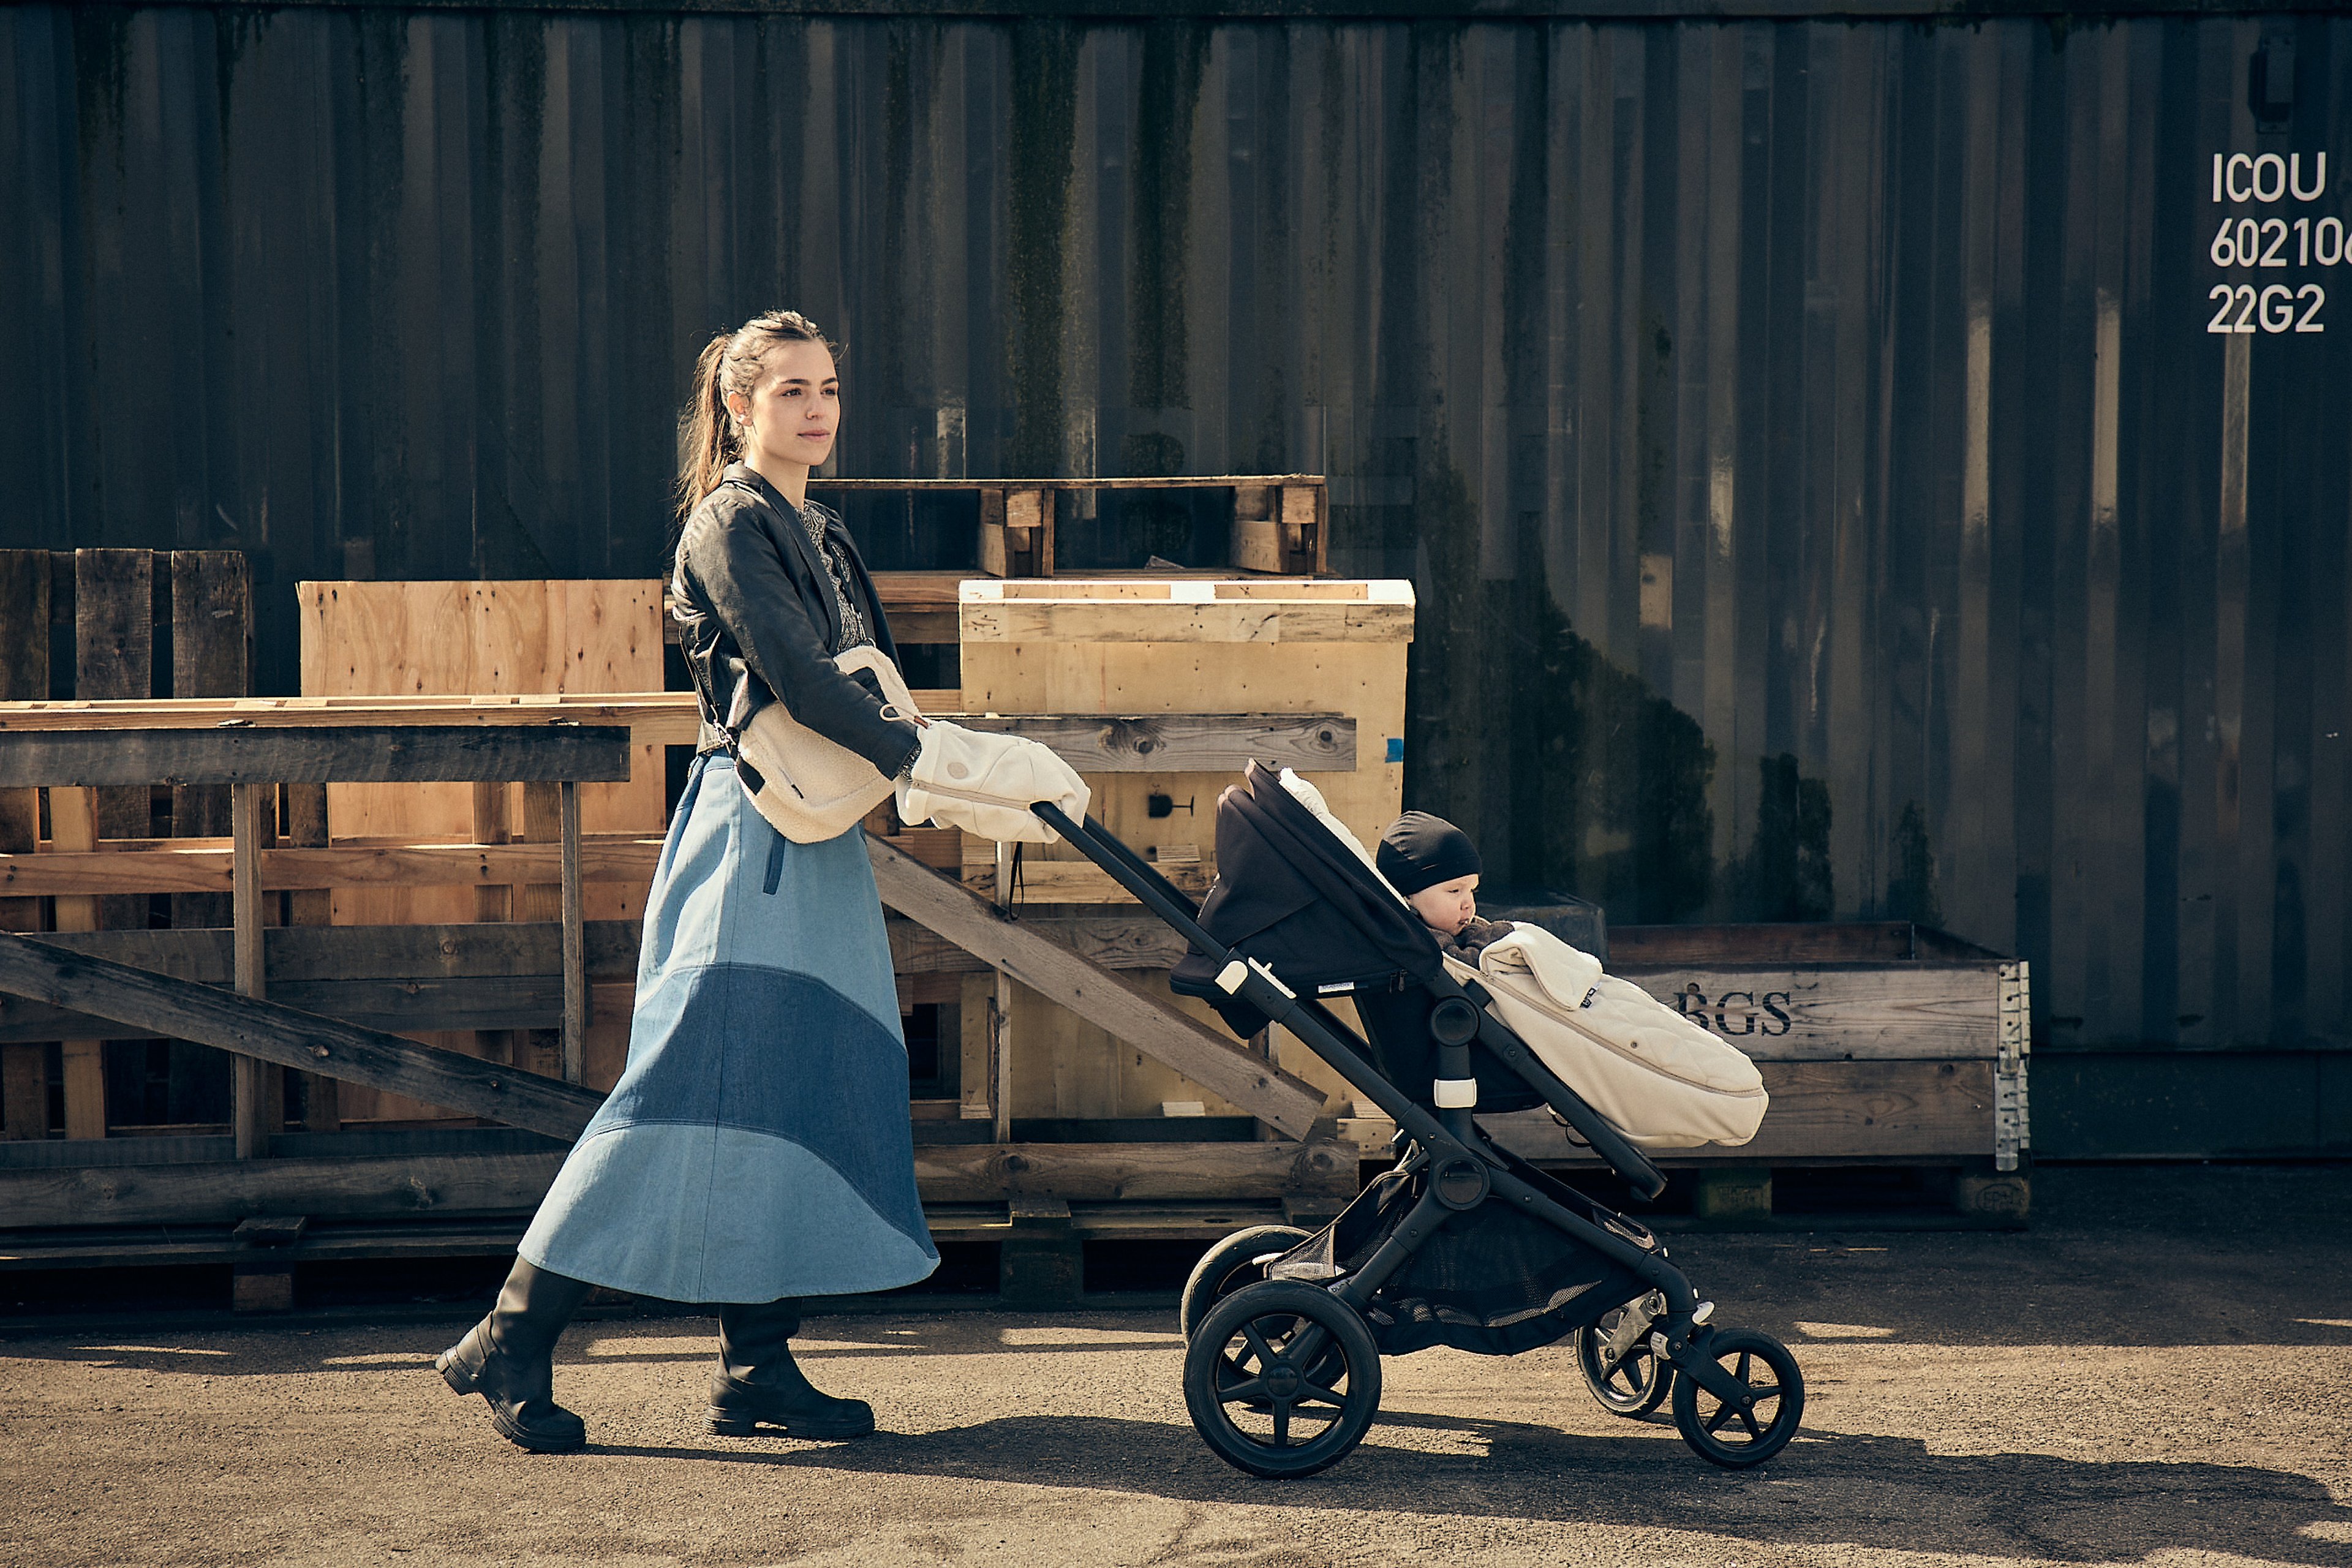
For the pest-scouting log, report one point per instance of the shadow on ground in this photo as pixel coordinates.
(1817, 1493)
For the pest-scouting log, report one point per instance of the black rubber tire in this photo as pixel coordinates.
(1701, 1417)
(1227, 1266)
(1633, 1388)
(1243, 1380)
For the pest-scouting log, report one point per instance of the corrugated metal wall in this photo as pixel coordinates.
(1825, 492)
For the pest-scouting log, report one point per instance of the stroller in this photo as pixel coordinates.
(1460, 1243)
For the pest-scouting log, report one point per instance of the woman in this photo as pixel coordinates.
(756, 1148)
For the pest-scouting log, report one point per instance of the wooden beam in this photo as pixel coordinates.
(575, 941)
(250, 1113)
(1152, 482)
(1890, 1111)
(416, 754)
(533, 1001)
(73, 827)
(1184, 742)
(1839, 1012)
(1095, 992)
(160, 1005)
(1213, 621)
(163, 866)
(225, 1190)
(1113, 941)
(1123, 1173)
(24, 677)
(663, 717)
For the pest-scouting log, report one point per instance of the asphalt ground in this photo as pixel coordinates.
(2159, 1372)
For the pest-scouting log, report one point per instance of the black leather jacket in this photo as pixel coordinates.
(756, 616)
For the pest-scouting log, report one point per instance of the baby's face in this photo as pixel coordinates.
(1446, 908)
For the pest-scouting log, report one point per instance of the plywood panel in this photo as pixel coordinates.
(1062, 1066)
(415, 639)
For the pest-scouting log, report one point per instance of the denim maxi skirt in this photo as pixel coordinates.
(758, 1143)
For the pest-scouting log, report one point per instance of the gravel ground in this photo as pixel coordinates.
(2157, 1373)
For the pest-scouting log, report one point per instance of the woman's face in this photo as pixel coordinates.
(793, 411)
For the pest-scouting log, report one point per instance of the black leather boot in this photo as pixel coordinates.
(759, 1385)
(508, 1358)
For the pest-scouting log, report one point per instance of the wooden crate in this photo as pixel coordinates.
(1881, 1044)
(1152, 646)
(487, 638)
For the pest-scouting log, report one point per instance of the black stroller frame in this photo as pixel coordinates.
(1280, 1348)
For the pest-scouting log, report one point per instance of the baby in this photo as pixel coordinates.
(1434, 864)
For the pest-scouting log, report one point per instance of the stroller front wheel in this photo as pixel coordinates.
(1282, 1379)
(1731, 1434)
(1631, 1386)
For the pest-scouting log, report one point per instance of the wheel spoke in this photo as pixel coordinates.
(1769, 1391)
(1754, 1431)
(1242, 1393)
(1282, 1423)
(1317, 1391)
(1303, 1344)
(1266, 1357)
(1744, 1357)
(1722, 1414)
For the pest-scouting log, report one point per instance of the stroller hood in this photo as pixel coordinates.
(1291, 895)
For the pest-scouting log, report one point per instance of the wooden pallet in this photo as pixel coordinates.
(139, 624)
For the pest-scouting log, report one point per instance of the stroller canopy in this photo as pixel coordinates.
(1291, 895)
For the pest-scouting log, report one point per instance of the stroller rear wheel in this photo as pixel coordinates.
(1227, 1266)
(1282, 1379)
(1736, 1437)
(1630, 1384)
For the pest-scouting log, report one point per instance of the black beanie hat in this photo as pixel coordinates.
(1420, 851)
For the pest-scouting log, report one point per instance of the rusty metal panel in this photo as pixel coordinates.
(1825, 492)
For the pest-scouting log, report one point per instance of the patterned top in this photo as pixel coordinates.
(816, 518)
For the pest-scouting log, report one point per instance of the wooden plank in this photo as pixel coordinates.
(1183, 742)
(73, 828)
(405, 754)
(662, 718)
(992, 551)
(163, 1005)
(1839, 1012)
(1151, 483)
(222, 1192)
(1303, 531)
(461, 1185)
(1077, 881)
(1256, 545)
(1131, 1173)
(212, 656)
(1096, 992)
(163, 866)
(1889, 1110)
(1115, 942)
(575, 947)
(1220, 621)
(502, 1002)
(114, 657)
(255, 1104)
(399, 956)
(1160, 743)
(24, 677)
